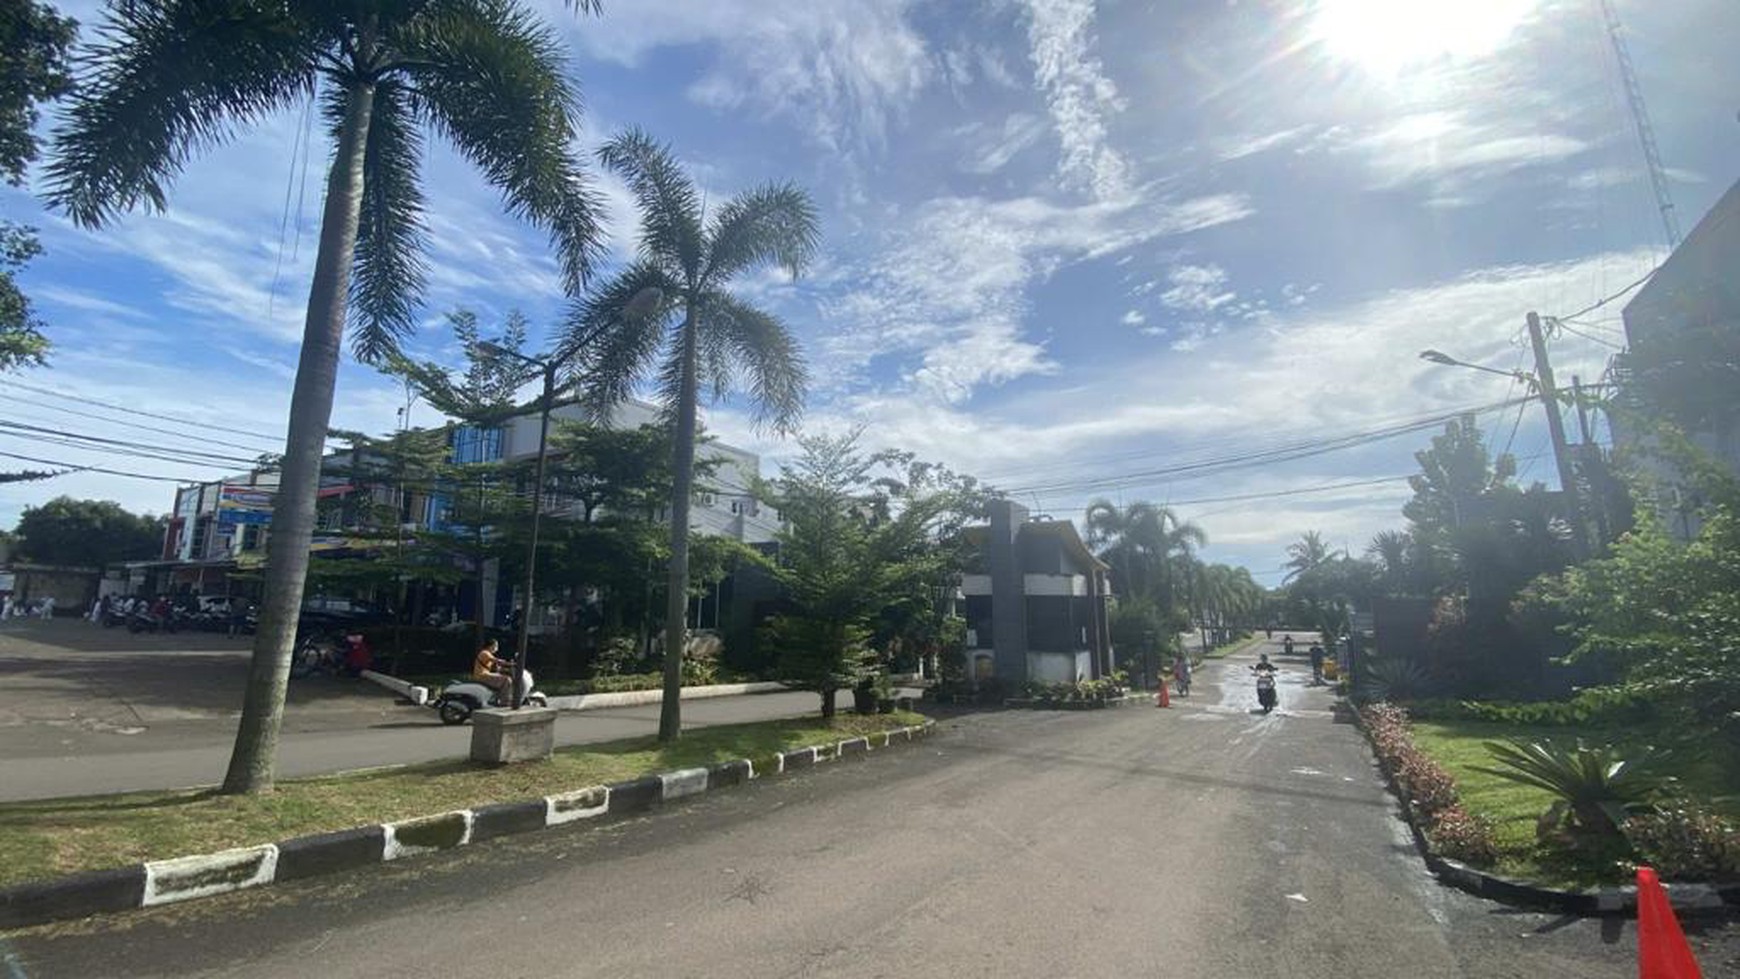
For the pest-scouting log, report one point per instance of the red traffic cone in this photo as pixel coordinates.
(1162, 699)
(1662, 952)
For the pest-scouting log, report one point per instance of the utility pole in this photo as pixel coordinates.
(1556, 427)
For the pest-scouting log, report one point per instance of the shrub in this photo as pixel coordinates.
(1458, 834)
(1686, 843)
(1596, 786)
(1427, 789)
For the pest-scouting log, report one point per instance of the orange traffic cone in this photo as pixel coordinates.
(1662, 952)
(1162, 699)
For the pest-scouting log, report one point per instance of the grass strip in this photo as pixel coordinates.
(47, 838)
(1514, 808)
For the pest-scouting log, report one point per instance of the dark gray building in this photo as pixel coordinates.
(1036, 601)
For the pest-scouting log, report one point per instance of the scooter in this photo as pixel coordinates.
(458, 699)
(1266, 690)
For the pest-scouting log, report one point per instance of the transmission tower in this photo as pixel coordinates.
(1670, 222)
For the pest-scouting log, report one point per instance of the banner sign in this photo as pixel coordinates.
(244, 505)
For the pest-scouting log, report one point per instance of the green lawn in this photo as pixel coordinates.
(59, 836)
(1460, 746)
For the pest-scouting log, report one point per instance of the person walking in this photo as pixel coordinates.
(46, 609)
(1181, 674)
(1316, 664)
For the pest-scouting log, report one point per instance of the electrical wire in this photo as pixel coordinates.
(272, 439)
(20, 427)
(127, 424)
(73, 467)
(1592, 307)
(1588, 336)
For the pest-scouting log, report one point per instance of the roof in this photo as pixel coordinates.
(1065, 531)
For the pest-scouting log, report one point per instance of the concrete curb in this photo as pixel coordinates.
(635, 698)
(184, 878)
(1686, 898)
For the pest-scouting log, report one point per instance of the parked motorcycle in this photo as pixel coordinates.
(458, 699)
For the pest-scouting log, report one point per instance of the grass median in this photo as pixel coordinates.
(1460, 746)
(51, 837)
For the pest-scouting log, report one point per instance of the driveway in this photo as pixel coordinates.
(1201, 841)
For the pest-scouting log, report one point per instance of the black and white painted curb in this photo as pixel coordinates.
(1686, 898)
(158, 882)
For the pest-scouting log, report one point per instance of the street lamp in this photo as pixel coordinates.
(1541, 382)
(1440, 357)
(643, 304)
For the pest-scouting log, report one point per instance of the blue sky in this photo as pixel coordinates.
(1067, 244)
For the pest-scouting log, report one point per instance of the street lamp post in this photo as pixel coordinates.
(644, 303)
(548, 366)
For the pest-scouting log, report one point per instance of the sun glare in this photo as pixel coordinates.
(1386, 37)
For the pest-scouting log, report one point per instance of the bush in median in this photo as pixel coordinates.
(1427, 790)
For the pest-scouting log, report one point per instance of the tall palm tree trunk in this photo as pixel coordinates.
(252, 759)
(682, 487)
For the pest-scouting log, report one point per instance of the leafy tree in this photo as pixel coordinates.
(171, 77)
(483, 393)
(1666, 615)
(849, 549)
(87, 533)
(33, 49)
(703, 333)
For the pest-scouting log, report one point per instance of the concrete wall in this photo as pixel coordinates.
(1008, 603)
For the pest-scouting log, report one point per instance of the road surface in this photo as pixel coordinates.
(85, 710)
(1202, 841)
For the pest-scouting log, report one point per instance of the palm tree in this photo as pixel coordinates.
(1144, 542)
(1306, 553)
(173, 77)
(697, 331)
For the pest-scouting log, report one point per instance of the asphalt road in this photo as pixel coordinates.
(1199, 841)
(85, 710)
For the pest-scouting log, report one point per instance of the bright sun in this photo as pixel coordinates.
(1387, 36)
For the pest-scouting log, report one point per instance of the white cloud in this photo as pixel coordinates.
(1079, 95)
(1197, 289)
(949, 285)
(842, 72)
(1451, 150)
(1261, 143)
(1133, 317)
(993, 150)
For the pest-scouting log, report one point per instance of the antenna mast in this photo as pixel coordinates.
(1670, 222)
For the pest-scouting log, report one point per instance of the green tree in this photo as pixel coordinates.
(1666, 615)
(1149, 548)
(173, 77)
(850, 548)
(1306, 554)
(33, 48)
(87, 533)
(698, 332)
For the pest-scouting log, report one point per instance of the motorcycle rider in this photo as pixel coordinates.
(1262, 669)
(491, 670)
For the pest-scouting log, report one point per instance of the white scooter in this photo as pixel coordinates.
(458, 699)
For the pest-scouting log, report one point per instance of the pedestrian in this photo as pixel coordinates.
(1316, 664)
(1181, 674)
(46, 609)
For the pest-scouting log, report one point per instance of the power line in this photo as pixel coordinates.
(1592, 307)
(127, 424)
(75, 467)
(273, 439)
(1286, 453)
(1588, 336)
(25, 431)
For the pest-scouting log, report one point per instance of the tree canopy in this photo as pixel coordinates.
(87, 533)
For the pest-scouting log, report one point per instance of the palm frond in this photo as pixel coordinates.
(616, 346)
(773, 223)
(167, 78)
(492, 79)
(669, 205)
(388, 270)
(768, 355)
